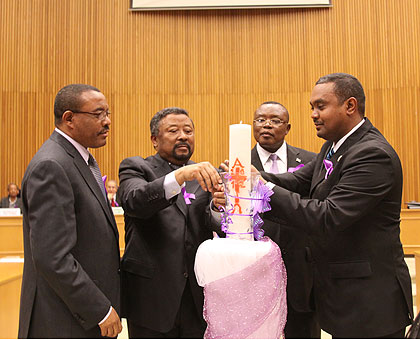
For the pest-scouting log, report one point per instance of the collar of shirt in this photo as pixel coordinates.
(79, 147)
(265, 155)
(337, 145)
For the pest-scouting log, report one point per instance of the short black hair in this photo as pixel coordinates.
(68, 98)
(154, 122)
(346, 86)
(272, 102)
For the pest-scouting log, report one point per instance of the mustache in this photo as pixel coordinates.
(105, 129)
(182, 144)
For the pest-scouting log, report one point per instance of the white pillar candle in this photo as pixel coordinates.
(240, 183)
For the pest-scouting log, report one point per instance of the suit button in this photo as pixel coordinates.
(186, 275)
(119, 271)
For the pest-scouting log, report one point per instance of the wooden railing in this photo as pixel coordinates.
(11, 242)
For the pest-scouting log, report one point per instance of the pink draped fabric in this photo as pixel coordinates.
(250, 303)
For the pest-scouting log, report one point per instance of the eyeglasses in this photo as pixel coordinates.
(100, 115)
(273, 122)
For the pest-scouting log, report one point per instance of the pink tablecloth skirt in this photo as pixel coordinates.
(244, 288)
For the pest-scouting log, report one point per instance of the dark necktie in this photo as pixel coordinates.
(94, 168)
(330, 154)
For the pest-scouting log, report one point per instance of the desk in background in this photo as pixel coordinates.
(10, 283)
(11, 235)
(11, 244)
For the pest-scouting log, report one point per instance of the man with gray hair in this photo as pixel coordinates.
(166, 199)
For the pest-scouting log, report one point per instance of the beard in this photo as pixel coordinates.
(184, 156)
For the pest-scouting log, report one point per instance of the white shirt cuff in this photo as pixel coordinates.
(106, 316)
(270, 185)
(216, 215)
(171, 186)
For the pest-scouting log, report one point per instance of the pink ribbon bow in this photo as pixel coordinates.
(329, 167)
(296, 168)
(187, 196)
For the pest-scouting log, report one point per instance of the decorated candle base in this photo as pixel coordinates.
(244, 288)
(240, 217)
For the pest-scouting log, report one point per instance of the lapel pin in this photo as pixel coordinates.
(298, 160)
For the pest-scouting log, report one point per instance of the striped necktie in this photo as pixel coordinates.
(330, 154)
(96, 172)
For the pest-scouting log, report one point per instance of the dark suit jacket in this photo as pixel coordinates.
(161, 240)
(362, 284)
(294, 243)
(70, 276)
(5, 203)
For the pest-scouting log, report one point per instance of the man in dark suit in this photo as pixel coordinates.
(11, 200)
(165, 198)
(272, 154)
(362, 286)
(70, 286)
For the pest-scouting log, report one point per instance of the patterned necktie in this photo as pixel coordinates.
(330, 154)
(94, 168)
(274, 168)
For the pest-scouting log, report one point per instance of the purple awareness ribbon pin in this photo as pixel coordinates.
(329, 167)
(296, 168)
(187, 196)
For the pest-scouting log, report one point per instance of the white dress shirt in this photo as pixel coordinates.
(337, 145)
(267, 162)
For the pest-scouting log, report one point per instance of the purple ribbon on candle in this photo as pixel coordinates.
(225, 218)
(260, 198)
(296, 168)
(260, 205)
(187, 196)
(257, 223)
(329, 167)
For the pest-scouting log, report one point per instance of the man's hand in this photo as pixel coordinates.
(203, 172)
(111, 327)
(225, 166)
(219, 199)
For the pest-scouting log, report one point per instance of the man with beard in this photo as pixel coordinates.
(166, 199)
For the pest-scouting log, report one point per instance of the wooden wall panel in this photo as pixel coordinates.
(218, 64)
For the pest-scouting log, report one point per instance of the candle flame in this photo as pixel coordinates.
(240, 122)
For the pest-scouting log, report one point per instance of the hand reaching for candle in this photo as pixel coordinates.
(219, 198)
(224, 166)
(205, 173)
